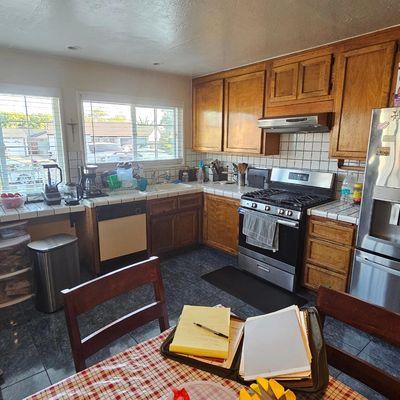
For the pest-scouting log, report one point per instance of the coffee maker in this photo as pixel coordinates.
(88, 182)
(51, 194)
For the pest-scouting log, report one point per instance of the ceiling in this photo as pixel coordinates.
(190, 37)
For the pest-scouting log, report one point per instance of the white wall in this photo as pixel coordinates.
(72, 76)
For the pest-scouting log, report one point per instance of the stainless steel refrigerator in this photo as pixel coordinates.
(376, 269)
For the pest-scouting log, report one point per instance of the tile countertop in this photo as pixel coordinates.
(35, 210)
(338, 210)
(230, 190)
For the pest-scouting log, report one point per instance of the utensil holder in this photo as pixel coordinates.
(242, 179)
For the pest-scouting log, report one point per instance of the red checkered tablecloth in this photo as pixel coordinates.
(141, 372)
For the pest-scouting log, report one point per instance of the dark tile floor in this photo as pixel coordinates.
(35, 350)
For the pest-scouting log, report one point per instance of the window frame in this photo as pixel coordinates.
(44, 91)
(136, 102)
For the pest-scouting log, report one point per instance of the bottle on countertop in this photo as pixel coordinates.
(346, 191)
(200, 172)
(357, 193)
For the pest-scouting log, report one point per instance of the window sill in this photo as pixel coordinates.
(148, 164)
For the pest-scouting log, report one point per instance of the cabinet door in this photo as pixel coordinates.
(363, 79)
(283, 86)
(314, 77)
(187, 228)
(207, 115)
(244, 104)
(162, 234)
(221, 223)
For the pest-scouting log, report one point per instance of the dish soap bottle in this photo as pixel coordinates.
(200, 172)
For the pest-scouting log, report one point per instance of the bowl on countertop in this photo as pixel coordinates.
(12, 202)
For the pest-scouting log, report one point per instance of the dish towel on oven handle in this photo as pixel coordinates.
(261, 230)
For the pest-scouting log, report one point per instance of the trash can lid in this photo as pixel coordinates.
(52, 242)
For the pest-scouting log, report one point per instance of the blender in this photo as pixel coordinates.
(51, 194)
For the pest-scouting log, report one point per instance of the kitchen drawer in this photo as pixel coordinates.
(315, 276)
(162, 206)
(329, 255)
(190, 201)
(336, 232)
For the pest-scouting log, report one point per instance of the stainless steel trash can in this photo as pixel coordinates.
(56, 267)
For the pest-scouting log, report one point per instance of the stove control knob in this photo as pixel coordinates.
(289, 213)
(253, 205)
(281, 211)
(267, 208)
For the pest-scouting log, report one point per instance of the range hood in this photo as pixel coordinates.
(308, 123)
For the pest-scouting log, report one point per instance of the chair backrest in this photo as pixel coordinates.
(368, 318)
(85, 297)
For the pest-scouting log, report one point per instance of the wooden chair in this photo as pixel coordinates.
(368, 318)
(85, 297)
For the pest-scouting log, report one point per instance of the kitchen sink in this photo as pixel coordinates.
(162, 187)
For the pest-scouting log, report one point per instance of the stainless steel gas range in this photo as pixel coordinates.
(289, 194)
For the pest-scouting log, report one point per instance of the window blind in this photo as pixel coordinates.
(30, 136)
(119, 132)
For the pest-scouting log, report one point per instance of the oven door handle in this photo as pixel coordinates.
(290, 224)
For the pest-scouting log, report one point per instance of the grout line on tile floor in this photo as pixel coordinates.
(369, 341)
(24, 379)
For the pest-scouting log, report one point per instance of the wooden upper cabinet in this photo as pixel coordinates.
(283, 85)
(363, 78)
(207, 115)
(243, 106)
(314, 77)
(307, 78)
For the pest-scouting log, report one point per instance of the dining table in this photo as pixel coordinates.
(142, 372)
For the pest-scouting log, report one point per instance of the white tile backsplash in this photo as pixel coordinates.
(301, 150)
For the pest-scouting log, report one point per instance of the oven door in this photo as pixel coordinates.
(290, 244)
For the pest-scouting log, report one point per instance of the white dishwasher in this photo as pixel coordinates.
(122, 229)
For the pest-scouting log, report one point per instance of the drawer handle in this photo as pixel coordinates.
(263, 268)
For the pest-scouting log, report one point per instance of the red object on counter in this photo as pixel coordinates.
(180, 394)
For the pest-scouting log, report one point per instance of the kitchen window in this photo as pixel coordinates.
(30, 136)
(120, 132)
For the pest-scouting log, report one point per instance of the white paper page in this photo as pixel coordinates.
(273, 345)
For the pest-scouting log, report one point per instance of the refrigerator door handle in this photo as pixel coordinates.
(374, 264)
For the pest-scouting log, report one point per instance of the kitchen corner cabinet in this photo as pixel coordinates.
(304, 80)
(207, 115)
(328, 254)
(221, 223)
(363, 78)
(243, 106)
(173, 222)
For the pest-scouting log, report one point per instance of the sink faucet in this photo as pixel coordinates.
(156, 177)
(166, 176)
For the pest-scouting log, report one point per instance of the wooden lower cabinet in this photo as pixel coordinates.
(162, 234)
(221, 223)
(328, 254)
(173, 223)
(316, 276)
(186, 228)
